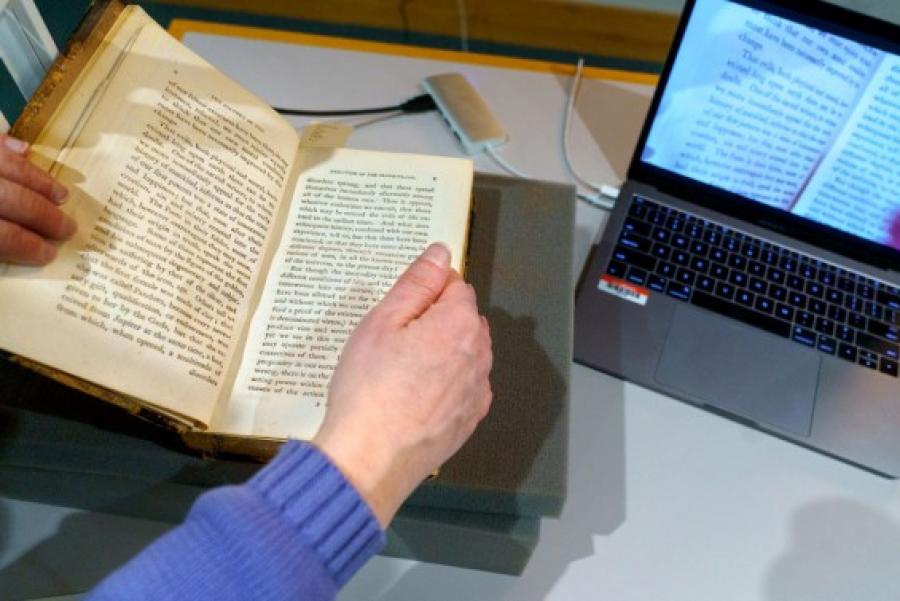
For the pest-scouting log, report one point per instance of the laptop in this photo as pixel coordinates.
(750, 266)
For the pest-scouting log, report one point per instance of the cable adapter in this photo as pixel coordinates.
(465, 112)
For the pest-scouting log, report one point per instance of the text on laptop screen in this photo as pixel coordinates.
(786, 115)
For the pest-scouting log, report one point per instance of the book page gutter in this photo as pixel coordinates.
(356, 221)
(174, 182)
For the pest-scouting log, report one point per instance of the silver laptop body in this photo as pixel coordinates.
(750, 266)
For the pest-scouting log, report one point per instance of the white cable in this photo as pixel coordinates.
(463, 25)
(502, 162)
(604, 191)
(595, 199)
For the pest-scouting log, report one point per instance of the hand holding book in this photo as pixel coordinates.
(29, 217)
(411, 384)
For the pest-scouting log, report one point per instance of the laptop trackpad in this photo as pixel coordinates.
(740, 370)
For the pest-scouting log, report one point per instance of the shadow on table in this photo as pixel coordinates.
(595, 506)
(837, 550)
(85, 548)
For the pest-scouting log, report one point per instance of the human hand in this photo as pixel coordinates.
(29, 212)
(411, 384)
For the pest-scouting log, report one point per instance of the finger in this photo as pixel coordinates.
(419, 286)
(458, 292)
(13, 144)
(25, 207)
(18, 245)
(20, 170)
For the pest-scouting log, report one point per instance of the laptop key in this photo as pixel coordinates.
(680, 257)
(856, 320)
(846, 284)
(617, 268)
(815, 289)
(797, 299)
(805, 319)
(719, 271)
(675, 223)
(634, 257)
(748, 316)
(845, 333)
(706, 283)
(661, 235)
(779, 293)
(637, 208)
(665, 269)
(718, 255)
(827, 345)
(803, 336)
(737, 261)
(699, 264)
(763, 304)
(738, 278)
(888, 366)
(846, 351)
(775, 275)
(756, 268)
(685, 276)
(873, 310)
(795, 282)
(656, 282)
(837, 313)
(784, 312)
(642, 228)
(725, 290)
(816, 306)
(877, 345)
(888, 299)
(679, 291)
(660, 250)
(744, 297)
(637, 276)
(867, 359)
(632, 240)
(788, 264)
(758, 286)
(825, 326)
(888, 332)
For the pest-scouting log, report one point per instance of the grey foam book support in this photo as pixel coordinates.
(60, 446)
(520, 263)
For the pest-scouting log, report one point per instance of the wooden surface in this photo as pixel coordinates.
(542, 24)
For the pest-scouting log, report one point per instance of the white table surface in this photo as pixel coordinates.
(666, 501)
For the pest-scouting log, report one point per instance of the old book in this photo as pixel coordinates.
(220, 261)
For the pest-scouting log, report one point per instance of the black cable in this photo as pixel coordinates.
(419, 104)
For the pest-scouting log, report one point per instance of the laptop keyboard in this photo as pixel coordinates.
(809, 301)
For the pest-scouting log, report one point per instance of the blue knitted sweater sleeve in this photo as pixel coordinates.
(296, 530)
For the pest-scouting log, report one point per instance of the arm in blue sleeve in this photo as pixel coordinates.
(296, 530)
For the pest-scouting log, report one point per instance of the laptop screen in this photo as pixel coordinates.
(786, 115)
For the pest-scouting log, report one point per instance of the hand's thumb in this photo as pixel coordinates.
(419, 286)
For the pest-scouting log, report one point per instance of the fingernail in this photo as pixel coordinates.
(438, 254)
(15, 144)
(69, 227)
(59, 193)
(46, 254)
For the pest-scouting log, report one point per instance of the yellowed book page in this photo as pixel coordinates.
(176, 175)
(357, 219)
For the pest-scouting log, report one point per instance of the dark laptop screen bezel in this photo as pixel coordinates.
(813, 13)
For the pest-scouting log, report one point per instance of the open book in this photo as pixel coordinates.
(219, 263)
(787, 115)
